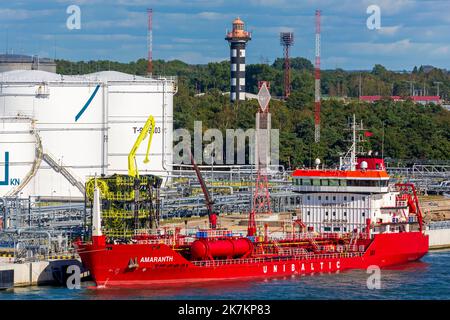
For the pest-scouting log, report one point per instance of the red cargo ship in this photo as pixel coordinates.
(346, 219)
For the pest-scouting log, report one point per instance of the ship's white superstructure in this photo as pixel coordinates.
(357, 197)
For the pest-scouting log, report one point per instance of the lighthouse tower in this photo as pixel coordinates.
(238, 39)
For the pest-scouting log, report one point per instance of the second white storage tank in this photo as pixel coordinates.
(86, 126)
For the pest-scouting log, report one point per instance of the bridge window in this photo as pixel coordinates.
(324, 182)
(326, 228)
(336, 229)
(316, 182)
(366, 183)
(334, 182)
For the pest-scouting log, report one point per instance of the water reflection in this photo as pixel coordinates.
(350, 284)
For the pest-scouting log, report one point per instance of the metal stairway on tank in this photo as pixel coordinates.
(64, 171)
(36, 164)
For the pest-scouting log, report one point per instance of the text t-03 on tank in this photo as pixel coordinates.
(226, 309)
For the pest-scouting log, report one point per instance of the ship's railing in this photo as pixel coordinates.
(168, 241)
(324, 248)
(341, 248)
(314, 236)
(309, 256)
(172, 241)
(292, 251)
(212, 233)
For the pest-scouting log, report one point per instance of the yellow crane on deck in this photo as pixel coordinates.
(132, 165)
(127, 199)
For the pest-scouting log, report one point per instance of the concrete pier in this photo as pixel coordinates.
(38, 273)
(439, 238)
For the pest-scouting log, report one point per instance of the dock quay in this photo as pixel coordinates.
(49, 272)
(439, 233)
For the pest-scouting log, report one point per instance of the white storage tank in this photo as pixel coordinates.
(58, 130)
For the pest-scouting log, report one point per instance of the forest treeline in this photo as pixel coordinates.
(401, 130)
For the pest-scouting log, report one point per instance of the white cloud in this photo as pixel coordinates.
(212, 15)
(270, 31)
(148, 3)
(21, 14)
(93, 37)
(195, 57)
(396, 47)
(443, 51)
(335, 61)
(268, 3)
(121, 19)
(400, 49)
(392, 7)
(390, 31)
(190, 40)
(165, 46)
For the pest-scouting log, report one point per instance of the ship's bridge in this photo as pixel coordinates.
(356, 181)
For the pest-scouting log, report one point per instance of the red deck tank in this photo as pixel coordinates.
(205, 249)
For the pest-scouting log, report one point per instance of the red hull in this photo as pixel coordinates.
(159, 264)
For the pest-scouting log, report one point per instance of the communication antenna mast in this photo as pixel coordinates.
(317, 82)
(437, 83)
(150, 42)
(287, 40)
(261, 196)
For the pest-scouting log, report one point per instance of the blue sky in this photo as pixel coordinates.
(413, 32)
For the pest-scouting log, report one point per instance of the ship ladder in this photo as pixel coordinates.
(314, 244)
(354, 241)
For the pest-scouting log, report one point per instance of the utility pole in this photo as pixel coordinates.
(360, 85)
(150, 42)
(437, 83)
(317, 97)
(411, 87)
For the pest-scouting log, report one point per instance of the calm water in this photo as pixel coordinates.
(428, 279)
